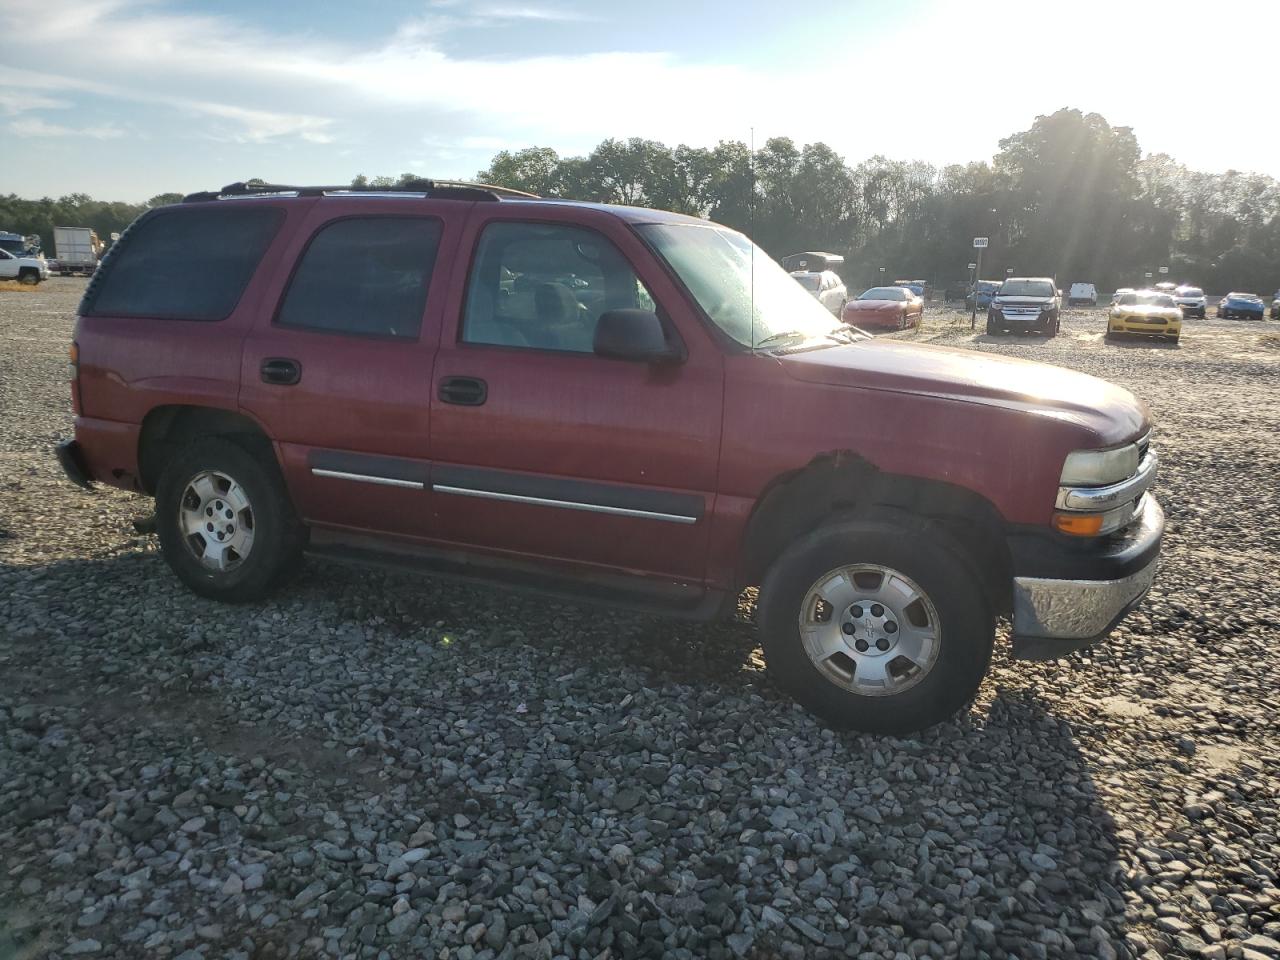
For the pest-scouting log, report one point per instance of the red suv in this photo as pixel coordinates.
(617, 404)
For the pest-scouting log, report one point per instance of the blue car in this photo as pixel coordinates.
(1241, 306)
(984, 290)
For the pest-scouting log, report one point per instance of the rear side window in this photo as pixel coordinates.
(366, 275)
(190, 264)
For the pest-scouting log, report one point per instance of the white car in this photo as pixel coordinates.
(1192, 301)
(826, 286)
(24, 268)
(1082, 293)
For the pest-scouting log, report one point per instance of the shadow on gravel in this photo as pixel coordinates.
(1136, 341)
(984, 835)
(1029, 338)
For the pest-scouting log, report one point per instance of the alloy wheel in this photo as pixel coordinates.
(870, 629)
(217, 522)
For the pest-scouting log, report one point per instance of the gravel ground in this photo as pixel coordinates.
(374, 765)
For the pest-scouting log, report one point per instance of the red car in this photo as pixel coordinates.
(893, 308)
(626, 406)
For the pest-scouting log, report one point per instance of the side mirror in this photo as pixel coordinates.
(632, 334)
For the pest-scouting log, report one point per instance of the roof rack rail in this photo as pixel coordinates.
(435, 189)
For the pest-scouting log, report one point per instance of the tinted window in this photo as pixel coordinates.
(883, 293)
(365, 275)
(190, 264)
(809, 281)
(544, 286)
(1026, 288)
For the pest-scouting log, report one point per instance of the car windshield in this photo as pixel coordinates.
(1147, 300)
(740, 287)
(1191, 292)
(883, 293)
(809, 281)
(1026, 288)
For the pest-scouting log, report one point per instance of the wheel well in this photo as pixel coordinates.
(166, 429)
(843, 483)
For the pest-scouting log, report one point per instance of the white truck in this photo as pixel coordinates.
(23, 267)
(76, 249)
(1082, 293)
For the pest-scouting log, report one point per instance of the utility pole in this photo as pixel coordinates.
(979, 244)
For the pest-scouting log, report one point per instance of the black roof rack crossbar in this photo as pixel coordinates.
(435, 189)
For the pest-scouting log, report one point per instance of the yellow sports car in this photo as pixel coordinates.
(1145, 312)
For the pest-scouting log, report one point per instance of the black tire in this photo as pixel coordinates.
(277, 534)
(991, 328)
(921, 551)
(29, 276)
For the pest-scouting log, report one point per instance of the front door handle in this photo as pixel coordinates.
(464, 391)
(280, 370)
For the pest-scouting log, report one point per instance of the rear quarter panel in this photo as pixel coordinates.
(131, 365)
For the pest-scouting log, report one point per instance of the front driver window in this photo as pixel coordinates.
(544, 286)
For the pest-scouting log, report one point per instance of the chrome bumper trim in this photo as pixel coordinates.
(1098, 499)
(1075, 609)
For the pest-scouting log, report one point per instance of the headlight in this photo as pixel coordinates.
(1097, 468)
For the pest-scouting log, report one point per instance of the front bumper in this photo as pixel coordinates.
(1066, 596)
(1158, 328)
(1020, 321)
(71, 459)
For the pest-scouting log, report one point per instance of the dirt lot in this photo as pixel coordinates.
(373, 765)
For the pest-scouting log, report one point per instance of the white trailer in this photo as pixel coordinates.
(76, 249)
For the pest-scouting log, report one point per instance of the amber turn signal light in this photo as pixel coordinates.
(1078, 524)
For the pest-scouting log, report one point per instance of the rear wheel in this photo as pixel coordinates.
(225, 521)
(876, 625)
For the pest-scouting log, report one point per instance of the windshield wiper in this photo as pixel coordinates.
(779, 337)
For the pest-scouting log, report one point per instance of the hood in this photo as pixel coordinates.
(874, 304)
(1005, 298)
(1112, 413)
(1144, 308)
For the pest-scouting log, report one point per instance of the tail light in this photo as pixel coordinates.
(73, 374)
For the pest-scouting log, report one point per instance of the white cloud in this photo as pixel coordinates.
(14, 102)
(35, 127)
(935, 94)
(529, 12)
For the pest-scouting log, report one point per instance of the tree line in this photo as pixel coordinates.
(1071, 197)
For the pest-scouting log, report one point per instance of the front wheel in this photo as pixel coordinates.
(225, 522)
(876, 625)
(29, 277)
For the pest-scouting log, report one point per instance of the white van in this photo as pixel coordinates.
(1082, 293)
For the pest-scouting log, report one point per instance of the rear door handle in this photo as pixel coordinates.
(280, 370)
(464, 391)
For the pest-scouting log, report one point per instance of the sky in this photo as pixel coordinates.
(126, 99)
